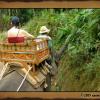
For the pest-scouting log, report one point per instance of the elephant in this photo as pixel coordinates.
(12, 81)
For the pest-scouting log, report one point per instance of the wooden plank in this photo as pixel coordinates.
(52, 4)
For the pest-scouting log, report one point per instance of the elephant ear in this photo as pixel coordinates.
(9, 67)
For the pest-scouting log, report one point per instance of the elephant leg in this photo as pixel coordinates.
(48, 82)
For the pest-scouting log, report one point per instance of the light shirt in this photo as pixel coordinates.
(44, 37)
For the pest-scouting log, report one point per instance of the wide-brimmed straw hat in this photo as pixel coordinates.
(44, 29)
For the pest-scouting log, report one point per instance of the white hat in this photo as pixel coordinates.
(44, 29)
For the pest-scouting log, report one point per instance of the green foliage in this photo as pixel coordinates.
(4, 22)
(80, 30)
(6, 14)
(2, 36)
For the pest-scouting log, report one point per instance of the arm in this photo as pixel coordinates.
(27, 35)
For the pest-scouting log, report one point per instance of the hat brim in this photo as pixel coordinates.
(46, 31)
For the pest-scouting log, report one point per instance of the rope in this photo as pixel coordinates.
(24, 79)
(3, 70)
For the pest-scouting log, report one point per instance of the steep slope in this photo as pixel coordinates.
(75, 77)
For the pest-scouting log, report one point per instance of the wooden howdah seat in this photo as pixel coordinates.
(30, 53)
(34, 51)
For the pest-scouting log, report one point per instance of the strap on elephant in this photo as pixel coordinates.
(36, 81)
(24, 79)
(8, 68)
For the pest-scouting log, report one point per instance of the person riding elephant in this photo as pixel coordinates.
(15, 34)
(43, 34)
(44, 31)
